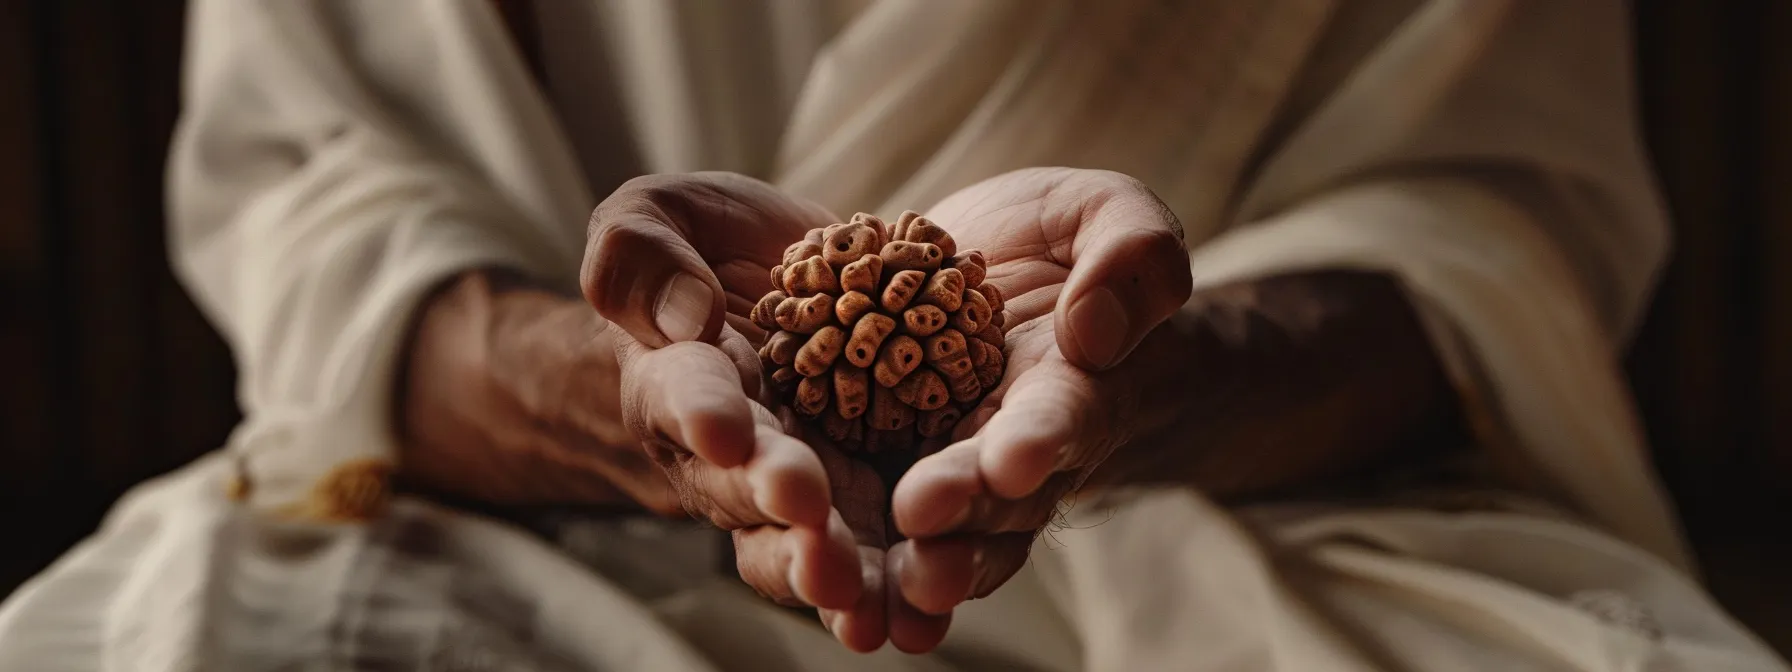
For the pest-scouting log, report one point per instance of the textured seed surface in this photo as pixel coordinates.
(881, 333)
(800, 250)
(765, 313)
(867, 338)
(991, 334)
(900, 228)
(804, 316)
(945, 289)
(898, 357)
(966, 389)
(902, 289)
(862, 275)
(812, 395)
(993, 295)
(888, 412)
(852, 390)
(783, 345)
(923, 389)
(923, 230)
(814, 358)
(989, 373)
(849, 242)
(810, 277)
(902, 255)
(937, 422)
(945, 345)
(851, 306)
(946, 352)
(838, 427)
(972, 265)
(923, 321)
(973, 314)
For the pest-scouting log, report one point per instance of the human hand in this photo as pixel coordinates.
(1090, 263)
(808, 523)
(1284, 379)
(512, 393)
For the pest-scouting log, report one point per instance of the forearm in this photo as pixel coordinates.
(489, 365)
(1283, 380)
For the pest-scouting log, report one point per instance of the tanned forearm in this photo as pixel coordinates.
(490, 369)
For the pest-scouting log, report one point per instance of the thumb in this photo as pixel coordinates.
(642, 275)
(1132, 274)
(647, 248)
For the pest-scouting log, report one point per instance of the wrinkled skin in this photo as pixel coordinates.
(1111, 367)
(1053, 237)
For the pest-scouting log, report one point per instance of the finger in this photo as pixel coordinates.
(859, 497)
(747, 280)
(945, 494)
(739, 349)
(1055, 417)
(801, 566)
(1129, 272)
(646, 248)
(863, 627)
(692, 395)
(640, 273)
(997, 559)
(934, 576)
(783, 483)
(911, 630)
(727, 456)
(935, 495)
(744, 325)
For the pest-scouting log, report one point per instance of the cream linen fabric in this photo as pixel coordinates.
(337, 159)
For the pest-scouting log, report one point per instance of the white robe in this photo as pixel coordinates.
(337, 159)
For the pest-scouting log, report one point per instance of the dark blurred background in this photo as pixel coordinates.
(110, 375)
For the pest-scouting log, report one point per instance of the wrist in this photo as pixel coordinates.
(463, 405)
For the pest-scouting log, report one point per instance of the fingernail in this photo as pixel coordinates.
(1100, 325)
(683, 308)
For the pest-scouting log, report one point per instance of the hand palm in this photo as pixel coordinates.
(1088, 263)
(810, 525)
(1033, 228)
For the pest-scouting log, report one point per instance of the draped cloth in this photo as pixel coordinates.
(337, 159)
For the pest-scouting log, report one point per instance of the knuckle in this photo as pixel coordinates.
(702, 356)
(653, 187)
(1114, 182)
(681, 194)
(1126, 191)
(611, 238)
(1163, 243)
(1102, 187)
(610, 247)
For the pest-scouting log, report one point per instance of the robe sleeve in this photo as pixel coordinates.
(1486, 154)
(335, 161)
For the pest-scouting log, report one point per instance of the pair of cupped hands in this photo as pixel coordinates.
(1091, 262)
